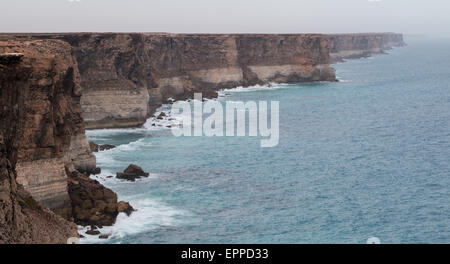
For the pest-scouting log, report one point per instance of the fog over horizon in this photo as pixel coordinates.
(227, 16)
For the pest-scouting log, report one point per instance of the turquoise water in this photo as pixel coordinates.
(368, 156)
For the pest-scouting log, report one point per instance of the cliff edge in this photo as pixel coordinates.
(126, 77)
(43, 147)
(36, 121)
(353, 46)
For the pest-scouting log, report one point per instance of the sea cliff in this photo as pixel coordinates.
(40, 112)
(43, 147)
(126, 77)
(53, 86)
(353, 46)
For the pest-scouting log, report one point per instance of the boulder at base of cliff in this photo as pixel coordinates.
(105, 236)
(93, 232)
(124, 207)
(132, 173)
(96, 148)
(161, 116)
(92, 203)
(97, 171)
(89, 172)
(106, 147)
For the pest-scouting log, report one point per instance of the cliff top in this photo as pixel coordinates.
(15, 36)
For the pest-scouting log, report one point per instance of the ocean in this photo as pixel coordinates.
(368, 156)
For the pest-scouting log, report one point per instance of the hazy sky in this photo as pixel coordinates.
(226, 16)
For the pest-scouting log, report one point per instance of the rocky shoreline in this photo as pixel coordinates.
(54, 86)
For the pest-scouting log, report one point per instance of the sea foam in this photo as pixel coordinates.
(150, 214)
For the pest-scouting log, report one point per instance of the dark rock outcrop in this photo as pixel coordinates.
(93, 232)
(92, 203)
(10, 58)
(104, 236)
(106, 147)
(161, 116)
(97, 171)
(96, 148)
(124, 207)
(132, 173)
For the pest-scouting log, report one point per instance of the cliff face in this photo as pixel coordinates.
(44, 148)
(391, 40)
(352, 46)
(51, 128)
(39, 93)
(125, 77)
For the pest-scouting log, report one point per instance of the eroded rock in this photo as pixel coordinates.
(132, 173)
(40, 112)
(92, 232)
(92, 203)
(10, 58)
(161, 116)
(96, 148)
(97, 171)
(124, 207)
(106, 147)
(104, 236)
(93, 146)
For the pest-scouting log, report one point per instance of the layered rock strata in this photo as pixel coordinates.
(352, 46)
(36, 118)
(43, 145)
(125, 77)
(52, 130)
